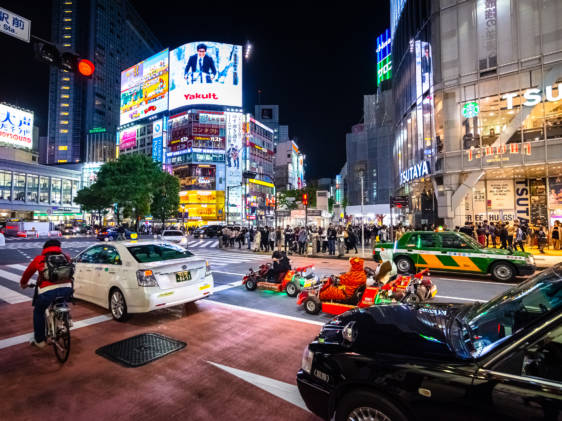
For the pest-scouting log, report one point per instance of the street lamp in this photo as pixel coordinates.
(362, 218)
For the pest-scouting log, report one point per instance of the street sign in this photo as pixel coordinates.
(283, 213)
(314, 212)
(399, 201)
(15, 25)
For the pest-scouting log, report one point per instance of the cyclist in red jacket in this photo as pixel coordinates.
(47, 289)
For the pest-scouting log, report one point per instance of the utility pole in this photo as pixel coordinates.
(227, 204)
(362, 220)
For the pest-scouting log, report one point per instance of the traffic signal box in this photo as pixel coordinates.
(47, 52)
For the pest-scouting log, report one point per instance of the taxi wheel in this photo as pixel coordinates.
(291, 289)
(503, 272)
(404, 264)
(367, 405)
(117, 305)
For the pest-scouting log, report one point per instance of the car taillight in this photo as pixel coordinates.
(207, 269)
(146, 278)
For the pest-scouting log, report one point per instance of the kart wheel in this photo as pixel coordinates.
(251, 284)
(291, 289)
(412, 299)
(503, 272)
(364, 405)
(312, 305)
(404, 264)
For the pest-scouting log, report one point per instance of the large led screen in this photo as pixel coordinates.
(144, 88)
(203, 73)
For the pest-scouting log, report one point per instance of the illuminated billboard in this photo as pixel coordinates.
(384, 57)
(144, 88)
(206, 73)
(128, 139)
(16, 127)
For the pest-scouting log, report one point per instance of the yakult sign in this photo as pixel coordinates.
(415, 171)
(533, 96)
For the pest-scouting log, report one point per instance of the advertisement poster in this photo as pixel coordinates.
(555, 199)
(522, 201)
(205, 73)
(144, 88)
(475, 203)
(500, 195)
(157, 137)
(16, 127)
(128, 139)
(539, 214)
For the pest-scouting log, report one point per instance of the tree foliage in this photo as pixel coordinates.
(165, 200)
(284, 200)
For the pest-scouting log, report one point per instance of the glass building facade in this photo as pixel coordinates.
(478, 133)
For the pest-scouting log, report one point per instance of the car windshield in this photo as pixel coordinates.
(491, 323)
(146, 253)
(172, 234)
(470, 241)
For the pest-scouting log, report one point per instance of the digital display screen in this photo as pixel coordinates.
(144, 88)
(206, 73)
(16, 127)
(384, 57)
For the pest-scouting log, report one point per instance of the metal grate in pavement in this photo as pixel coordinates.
(141, 349)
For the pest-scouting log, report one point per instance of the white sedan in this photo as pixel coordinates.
(137, 277)
(174, 236)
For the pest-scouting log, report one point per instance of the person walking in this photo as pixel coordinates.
(493, 232)
(257, 240)
(481, 233)
(520, 236)
(510, 234)
(332, 236)
(502, 230)
(272, 237)
(352, 240)
(302, 241)
(288, 237)
(542, 239)
(556, 237)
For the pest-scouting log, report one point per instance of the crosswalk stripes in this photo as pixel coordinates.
(85, 244)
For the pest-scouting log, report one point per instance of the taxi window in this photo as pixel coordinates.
(422, 241)
(453, 241)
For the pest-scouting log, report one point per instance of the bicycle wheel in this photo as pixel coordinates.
(61, 340)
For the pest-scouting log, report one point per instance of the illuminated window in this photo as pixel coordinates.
(65, 87)
(66, 36)
(68, 11)
(64, 104)
(66, 45)
(63, 131)
(68, 28)
(66, 79)
(64, 122)
(64, 113)
(65, 96)
(67, 2)
(67, 19)
(63, 148)
(62, 161)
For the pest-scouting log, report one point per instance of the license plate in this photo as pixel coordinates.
(202, 287)
(183, 276)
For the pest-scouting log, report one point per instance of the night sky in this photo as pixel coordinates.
(316, 63)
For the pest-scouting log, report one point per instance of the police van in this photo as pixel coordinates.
(456, 252)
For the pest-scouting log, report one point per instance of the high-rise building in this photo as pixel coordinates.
(289, 166)
(478, 92)
(113, 36)
(269, 115)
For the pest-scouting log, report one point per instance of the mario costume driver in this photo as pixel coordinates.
(348, 282)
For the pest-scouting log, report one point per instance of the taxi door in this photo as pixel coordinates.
(459, 255)
(427, 250)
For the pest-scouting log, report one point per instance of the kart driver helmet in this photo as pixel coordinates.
(386, 256)
(383, 272)
(276, 255)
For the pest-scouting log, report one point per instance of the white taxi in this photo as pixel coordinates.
(174, 236)
(138, 277)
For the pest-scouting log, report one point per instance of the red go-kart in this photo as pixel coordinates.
(292, 282)
(406, 289)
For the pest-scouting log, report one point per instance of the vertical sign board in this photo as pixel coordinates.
(522, 209)
(487, 18)
(234, 164)
(157, 138)
(15, 25)
(384, 57)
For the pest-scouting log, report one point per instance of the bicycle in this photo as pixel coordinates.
(57, 327)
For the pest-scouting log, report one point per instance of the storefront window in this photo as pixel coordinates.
(75, 188)
(44, 189)
(19, 186)
(197, 177)
(5, 185)
(32, 188)
(56, 191)
(66, 192)
(553, 113)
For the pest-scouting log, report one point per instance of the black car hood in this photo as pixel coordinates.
(416, 330)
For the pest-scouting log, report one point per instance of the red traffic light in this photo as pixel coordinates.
(305, 199)
(86, 67)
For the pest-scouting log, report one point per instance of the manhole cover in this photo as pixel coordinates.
(140, 350)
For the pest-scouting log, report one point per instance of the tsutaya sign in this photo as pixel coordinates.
(415, 171)
(533, 96)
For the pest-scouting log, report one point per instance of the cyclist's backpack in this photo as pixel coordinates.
(58, 269)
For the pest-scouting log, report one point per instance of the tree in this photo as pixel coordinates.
(331, 202)
(91, 199)
(165, 199)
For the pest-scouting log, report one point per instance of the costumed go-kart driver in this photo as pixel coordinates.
(281, 266)
(386, 271)
(348, 282)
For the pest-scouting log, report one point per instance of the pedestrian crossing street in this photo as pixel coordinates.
(10, 275)
(80, 245)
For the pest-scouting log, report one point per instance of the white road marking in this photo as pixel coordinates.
(266, 313)
(229, 273)
(12, 297)
(10, 276)
(20, 267)
(227, 286)
(458, 298)
(472, 282)
(16, 340)
(285, 391)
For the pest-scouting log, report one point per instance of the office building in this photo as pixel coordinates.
(289, 166)
(269, 115)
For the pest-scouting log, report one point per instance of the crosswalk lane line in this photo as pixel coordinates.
(12, 297)
(10, 276)
(17, 266)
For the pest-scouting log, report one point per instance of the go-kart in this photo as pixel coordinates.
(292, 283)
(405, 289)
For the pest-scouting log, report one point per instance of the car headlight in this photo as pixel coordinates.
(530, 260)
(307, 358)
(146, 278)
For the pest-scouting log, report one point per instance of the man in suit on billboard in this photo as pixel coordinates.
(200, 66)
